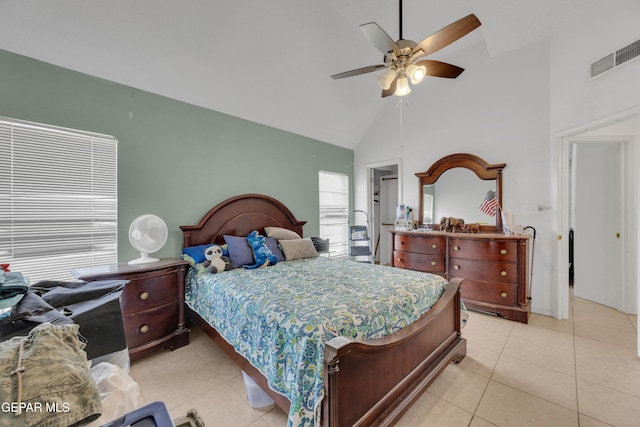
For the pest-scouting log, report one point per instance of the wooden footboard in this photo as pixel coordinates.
(375, 382)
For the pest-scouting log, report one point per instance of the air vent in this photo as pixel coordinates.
(627, 53)
(605, 64)
(616, 59)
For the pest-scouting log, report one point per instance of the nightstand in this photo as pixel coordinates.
(152, 302)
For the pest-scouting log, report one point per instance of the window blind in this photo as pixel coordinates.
(334, 211)
(58, 199)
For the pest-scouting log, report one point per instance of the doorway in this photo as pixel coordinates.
(384, 194)
(611, 142)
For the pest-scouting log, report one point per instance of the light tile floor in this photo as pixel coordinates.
(579, 372)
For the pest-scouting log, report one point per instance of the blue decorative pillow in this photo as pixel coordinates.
(240, 252)
(194, 255)
(272, 244)
(196, 252)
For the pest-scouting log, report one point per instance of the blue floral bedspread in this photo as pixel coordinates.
(279, 317)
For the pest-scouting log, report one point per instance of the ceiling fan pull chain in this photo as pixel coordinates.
(402, 100)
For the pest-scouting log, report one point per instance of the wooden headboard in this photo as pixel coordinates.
(239, 216)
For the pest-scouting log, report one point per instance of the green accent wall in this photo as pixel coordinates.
(175, 160)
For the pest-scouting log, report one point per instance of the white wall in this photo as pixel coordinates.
(576, 100)
(507, 109)
(597, 30)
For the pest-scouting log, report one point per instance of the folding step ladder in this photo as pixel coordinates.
(359, 241)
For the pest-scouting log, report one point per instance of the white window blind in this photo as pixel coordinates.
(58, 199)
(334, 211)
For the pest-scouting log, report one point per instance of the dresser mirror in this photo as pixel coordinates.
(460, 191)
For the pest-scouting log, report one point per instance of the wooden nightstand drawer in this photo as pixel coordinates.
(150, 325)
(154, 291)
(420, 262)
(423, 245)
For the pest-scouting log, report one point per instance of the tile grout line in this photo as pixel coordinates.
(575, 359)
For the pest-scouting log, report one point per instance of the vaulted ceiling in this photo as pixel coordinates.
(265, 61)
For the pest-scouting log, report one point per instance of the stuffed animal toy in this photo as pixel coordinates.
(451, 224)
(216, 262)
(472, 228)
(261, 252)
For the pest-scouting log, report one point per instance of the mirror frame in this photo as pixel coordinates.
(483, 170)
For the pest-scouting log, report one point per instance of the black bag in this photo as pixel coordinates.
(94, 306)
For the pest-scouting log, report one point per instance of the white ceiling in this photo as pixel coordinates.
(266, 61)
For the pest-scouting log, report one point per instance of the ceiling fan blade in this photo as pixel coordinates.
(391, 90)
(440, 69)
(358, 71)
(447, 35)
(380, 39)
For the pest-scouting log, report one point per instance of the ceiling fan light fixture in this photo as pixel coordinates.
(402, 87)
(385, 79)
(401, 57)
(416, 73)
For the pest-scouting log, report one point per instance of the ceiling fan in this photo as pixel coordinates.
(402, 57)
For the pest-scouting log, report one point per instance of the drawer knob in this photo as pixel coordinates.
(503, 294)
(144, 329)
(399, 259)
(433, 263)
(456, 267)
(503, 251)
(144, 295)
(456, 248)
(434, 246)
(503, 273)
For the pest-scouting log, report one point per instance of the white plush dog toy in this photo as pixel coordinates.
(215, 262)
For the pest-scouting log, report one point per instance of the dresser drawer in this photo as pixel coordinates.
(420, 262)
(497, 272)
(418, 244)
(146, 326)
(154, 291)
(494, 293)
(489, 250)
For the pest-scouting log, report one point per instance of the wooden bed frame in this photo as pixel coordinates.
(366, 382)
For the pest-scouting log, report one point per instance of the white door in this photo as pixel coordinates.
(597, 221)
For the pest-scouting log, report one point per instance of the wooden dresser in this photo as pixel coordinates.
(494, 266)
(152, 303)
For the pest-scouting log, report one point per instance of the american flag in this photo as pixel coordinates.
(489, 203)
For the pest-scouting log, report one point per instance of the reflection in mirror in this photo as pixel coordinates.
(428, 195)
(458, 193)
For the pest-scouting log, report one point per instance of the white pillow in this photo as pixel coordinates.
(298, 249)
(280, 233)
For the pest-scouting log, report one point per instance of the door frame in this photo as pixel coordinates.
(370, 187)
(629, 215)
